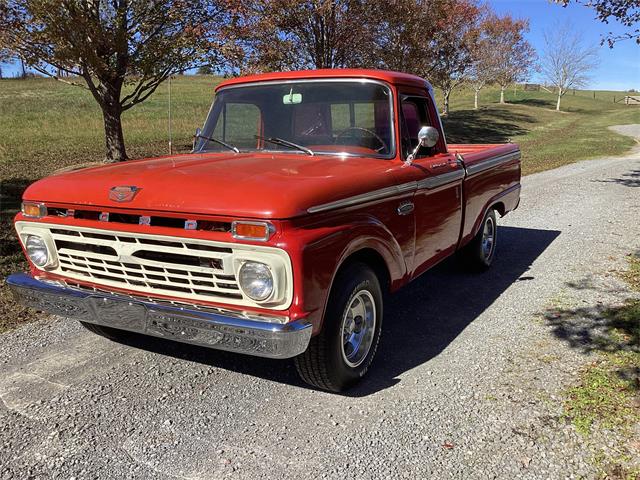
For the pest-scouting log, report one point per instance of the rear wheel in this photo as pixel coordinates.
(479, 253)
(340, 355)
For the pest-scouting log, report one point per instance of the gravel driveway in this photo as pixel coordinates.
(466, 383)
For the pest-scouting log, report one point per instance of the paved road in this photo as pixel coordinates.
(465, 384)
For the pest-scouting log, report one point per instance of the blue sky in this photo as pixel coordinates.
(618, 68)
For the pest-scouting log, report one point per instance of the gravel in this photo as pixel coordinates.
(467, 382)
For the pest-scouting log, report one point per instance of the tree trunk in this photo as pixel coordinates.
(475, 99)
(445, 109)
(502, 87)
(114, 139)
(558, 103)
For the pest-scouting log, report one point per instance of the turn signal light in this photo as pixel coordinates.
(34, 210)
(252, 230)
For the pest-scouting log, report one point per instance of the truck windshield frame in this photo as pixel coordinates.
(353, 117)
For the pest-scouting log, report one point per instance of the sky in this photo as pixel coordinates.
(618, 68)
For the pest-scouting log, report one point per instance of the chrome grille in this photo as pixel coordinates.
(182, 267)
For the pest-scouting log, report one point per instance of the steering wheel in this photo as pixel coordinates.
(383, 144)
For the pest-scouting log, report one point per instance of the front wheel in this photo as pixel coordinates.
(340, 355)
(479, 253)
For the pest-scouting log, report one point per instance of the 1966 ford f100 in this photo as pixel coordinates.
(308, 196)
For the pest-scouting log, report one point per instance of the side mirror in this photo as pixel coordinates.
(427, 137)
(195, 138)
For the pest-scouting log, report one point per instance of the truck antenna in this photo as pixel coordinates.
(170, 142)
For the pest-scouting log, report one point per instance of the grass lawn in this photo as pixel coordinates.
(607, 395)
(46, 125)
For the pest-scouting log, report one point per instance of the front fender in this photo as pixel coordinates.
(318, 251)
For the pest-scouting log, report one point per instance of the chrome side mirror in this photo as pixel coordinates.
(195, 139)
(427, 137)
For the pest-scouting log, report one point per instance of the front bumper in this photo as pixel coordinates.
(208, 328)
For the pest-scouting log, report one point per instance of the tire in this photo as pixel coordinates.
(479, 253)
(107, 332)
(340, 355)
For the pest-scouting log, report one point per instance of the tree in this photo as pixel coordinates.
(401, 27)
(5, 54)
(626, 12)
(432, 39)
(513, 56)
(566, 61)
(452, 44)
(298, 34)
(481, 72)
(122, 49)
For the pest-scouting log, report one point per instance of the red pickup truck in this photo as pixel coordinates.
(307, 198)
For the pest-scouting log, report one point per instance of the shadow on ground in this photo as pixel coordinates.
(631, 179)
(487, 125)
(420, 321)
(602, 328)
(548, 104)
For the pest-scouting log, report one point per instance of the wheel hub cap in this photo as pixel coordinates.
(358, 328)
(488, 235)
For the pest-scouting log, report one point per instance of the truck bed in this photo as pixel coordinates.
(492, 176)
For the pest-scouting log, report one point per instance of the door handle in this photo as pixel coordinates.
(405, 208)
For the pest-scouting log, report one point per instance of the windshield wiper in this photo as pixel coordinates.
(285, 143)
(220, 142)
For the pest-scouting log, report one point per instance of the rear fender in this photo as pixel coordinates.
(503, 203)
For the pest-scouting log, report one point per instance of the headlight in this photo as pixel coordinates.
(256, 280)
(37, 250)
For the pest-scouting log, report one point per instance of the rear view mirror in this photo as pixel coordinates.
(428, 137)
(292, 98)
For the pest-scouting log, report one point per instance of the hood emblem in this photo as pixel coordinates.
(123, 193)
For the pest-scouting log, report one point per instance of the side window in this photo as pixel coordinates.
(238, 124)
(414, 116)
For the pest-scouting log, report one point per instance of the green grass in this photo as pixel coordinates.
(46, 125)
(548, 139)
(607, 394)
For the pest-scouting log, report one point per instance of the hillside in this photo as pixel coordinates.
(46, 125)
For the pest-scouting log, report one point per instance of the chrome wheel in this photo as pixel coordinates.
(358, 328)
(488, 238)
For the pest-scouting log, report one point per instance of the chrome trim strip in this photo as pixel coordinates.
(442, 179)
(243, 314)
(197, 327)
(492, 162)
(354, 79)
(427, 183)
(363, 198)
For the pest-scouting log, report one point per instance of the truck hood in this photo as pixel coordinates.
(253, 185)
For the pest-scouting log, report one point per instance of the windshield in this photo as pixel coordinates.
(352, 117)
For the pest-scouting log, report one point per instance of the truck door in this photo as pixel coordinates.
(438, 198)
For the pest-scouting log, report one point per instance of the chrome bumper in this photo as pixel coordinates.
(200, 327)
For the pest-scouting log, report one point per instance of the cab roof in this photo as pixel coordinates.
(394, 78)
